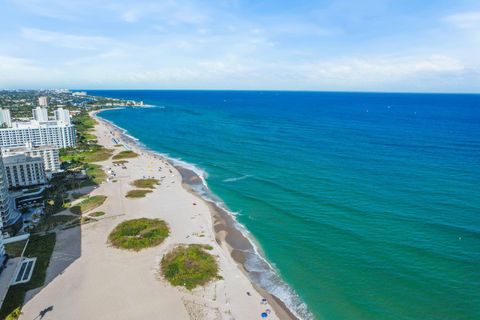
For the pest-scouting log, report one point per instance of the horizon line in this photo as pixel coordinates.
(248, 90)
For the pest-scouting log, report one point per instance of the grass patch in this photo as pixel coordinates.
(137, 193)
(89, 137)
(146, 183)
(42, 248)
(83, 122)
(15, 314)
(90, 153)
(101, 154)
(95, 173)
(139, 234)
(88, 204)
(125, 155)
(189, 266)
(15, 249)
(96, 214)
(120, 162)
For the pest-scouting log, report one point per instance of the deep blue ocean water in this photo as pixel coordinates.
(367, 204)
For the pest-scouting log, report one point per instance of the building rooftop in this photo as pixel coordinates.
(19, 158)
(26, 148)
(33, 124)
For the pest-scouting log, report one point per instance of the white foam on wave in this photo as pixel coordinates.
(202, 174)
(122, 130)
(130, 136)
(237, 178)
(260, 270)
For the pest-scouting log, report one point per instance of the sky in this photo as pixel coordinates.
(336, 45)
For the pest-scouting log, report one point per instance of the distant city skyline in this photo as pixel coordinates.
(399, 46)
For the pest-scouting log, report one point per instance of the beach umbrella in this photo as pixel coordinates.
(264, 315)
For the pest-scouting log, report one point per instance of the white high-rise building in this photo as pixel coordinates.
(24, 171)
(40, 114)
(5, 118)
(43, 101)
(54, 133)
(8, 215)
(62, 115)
(49, 154)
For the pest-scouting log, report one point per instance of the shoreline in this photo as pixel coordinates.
(88, 278)
(228, 236)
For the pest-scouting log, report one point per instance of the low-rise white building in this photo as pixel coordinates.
(56, 133)
(23, 171)
(49, 154)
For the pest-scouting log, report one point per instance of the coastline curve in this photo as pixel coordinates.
(241, 244)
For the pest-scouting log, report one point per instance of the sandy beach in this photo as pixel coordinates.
(88, 279)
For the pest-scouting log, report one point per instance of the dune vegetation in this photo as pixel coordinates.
(137, 193)
(96, 214)
(125, 155)
(146, 183)
(138, 234)
(190, 266)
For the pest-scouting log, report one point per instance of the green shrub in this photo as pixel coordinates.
(137, 193)
(97, 214)
(146, 183)
(189, 266)
(101, 154)
(90, 153)
(14, 315)
(95, 173)
(139, 234)
(125, 155)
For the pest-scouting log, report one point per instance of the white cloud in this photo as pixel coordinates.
(64, 39)
(19, 72)
(465, 20)
(166, 12)
(384, 69)
(130, 15)
(8, 64)
(197, 44)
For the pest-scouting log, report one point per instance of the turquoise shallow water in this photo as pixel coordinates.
(366, 204)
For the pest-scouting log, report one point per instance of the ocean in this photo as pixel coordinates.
(366, 205)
